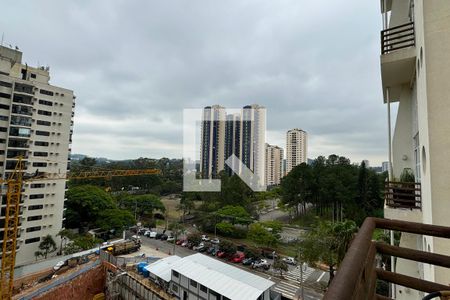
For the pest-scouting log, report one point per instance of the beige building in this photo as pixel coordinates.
(36, 120)
(415, 71)
(296, 148)
(274, 164)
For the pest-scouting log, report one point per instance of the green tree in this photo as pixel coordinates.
(194, 238)
(235, 214)
(327, 242)
(67, 235)
(280, 265)
(142, 204)
(84, 204)
(46, 246)
(260, 235)
(297, 187)
(114, 219)
(228, 247)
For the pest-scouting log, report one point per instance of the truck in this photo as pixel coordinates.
(125, 247)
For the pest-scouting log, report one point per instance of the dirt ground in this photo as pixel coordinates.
(171, 203)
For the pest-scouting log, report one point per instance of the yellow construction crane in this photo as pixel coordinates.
(13, 196)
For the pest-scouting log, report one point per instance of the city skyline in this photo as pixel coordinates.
(131, 89)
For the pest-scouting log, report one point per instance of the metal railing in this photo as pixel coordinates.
(358, 273)
(403, 194)
(398, 37)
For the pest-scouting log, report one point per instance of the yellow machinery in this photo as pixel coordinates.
(13, 197)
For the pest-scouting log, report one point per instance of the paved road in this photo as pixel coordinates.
(289, 286)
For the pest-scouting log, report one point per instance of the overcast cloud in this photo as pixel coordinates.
(134, 65)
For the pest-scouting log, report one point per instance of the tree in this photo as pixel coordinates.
(142, 204)
(297, 187)
(114, 219)
(46, 246)
(84, 204)
(194, 238)
(228, 247)
(236, 214)
(186, 205)
(327, 242)
(260, 235)
(65, 234)
(280, 265)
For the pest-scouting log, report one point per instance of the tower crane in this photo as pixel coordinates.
(14, 184)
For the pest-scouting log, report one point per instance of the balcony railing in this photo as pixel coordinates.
(358, 273)
(397, 37)
(403, 194)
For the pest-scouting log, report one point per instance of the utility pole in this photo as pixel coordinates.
(301, 276)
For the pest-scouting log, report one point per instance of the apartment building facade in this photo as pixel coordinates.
(415, 67)
(274, 164)
(296, 148)
(36, 122)
(241, 134)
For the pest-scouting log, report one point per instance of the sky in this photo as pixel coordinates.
(135, 65)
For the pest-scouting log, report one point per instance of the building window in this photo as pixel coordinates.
(203, 288)
(37, 196)
(39, 164)
(40, 143)
(45, 123)
(6, 84)
(35, 207)
(40, 154)
(32, 240)
(44, 133)
(34, 218)
(2, 141)
(34, 228)
(4, 118)
(45, 92)
(45, 102)
(4, 95)
(175, 288)
(175, 274)
(37, 185)
(44, 112)
(4, 106)
(193, 283)
(3, 129)
(32, 75)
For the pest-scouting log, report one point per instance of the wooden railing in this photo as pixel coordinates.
(403, 194)
(397, 37)
(358, 273)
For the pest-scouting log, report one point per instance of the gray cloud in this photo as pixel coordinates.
(134, 65)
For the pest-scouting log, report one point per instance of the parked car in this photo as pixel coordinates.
(271, 255)
(190, 245)
(58, 265)
(261, 263)
(205, 238)
(210, 250)
(158, 236)
(150, 234)
(184, 243)
(290, 260)
(170, 239)
(215, 241)
(153, 234)
(180, 241)
(198, 247)
(238, 257)
(248, 261)
(221, 254)
(164, 237)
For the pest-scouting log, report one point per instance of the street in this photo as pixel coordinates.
(289, 286)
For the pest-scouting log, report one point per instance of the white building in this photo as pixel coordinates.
(36, 120)
(274, 164)
(296, 148)
(415, 70)
(199, 276)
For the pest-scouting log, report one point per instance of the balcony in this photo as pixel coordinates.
(403, 195)
(358, 273)
(398, 56)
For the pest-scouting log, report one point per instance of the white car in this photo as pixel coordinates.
(290, 260)
(215, 241)
(170, 238)
(201, 245)
(59, 265)
(205, 238)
